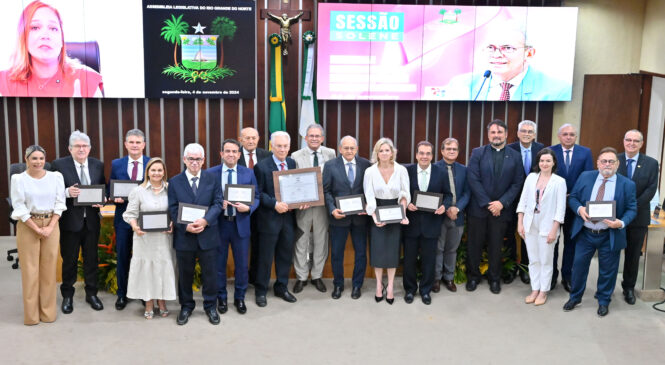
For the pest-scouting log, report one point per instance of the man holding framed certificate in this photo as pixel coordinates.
(238, 184)
(431, 194)
(600, 228)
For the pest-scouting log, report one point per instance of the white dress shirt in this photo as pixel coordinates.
(496, 90)
(38, 196)
(246, 154)
(130, 167)
(375, 187)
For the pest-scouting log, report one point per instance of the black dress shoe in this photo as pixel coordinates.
(495, 287)
(261, 300)
(297, 287)
(337, 292)
(450, 285)
(509, 277)
(427, 299)
(566, 285)
(213, 317)
(378, 299)
(240, 306)
(390, 300)
(524, 276)
(183, 316)
(67, 305)
(570, 305)
(471, 285)
(318, 284)
(288, 297)
(408, 298)
(121, 303)
(629, 296)
(553, 284)
(603, 310)
(94, 302)
(355, 292)
(222, 306)
(436, 287)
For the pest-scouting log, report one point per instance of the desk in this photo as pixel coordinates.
(653, 261)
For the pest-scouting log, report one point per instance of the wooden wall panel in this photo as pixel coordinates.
(63, 124)
(404, 132)
(155, 133)
(173, 153)
(27, 123)
(92, 128)
(46, 127)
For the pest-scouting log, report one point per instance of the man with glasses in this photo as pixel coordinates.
(200, 238)
(643, 171)
(314, 219)
(572, 159)
(507, 74)
(79, 225)
(528, 149)
(605, 235)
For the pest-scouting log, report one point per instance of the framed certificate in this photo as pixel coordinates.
(188, 213)
(238, 193)
(299, 186)
(390, 214)
(601, 209)
(154, 221)
(427, 202)
(91, 195)
(122, 188)
(351, 204)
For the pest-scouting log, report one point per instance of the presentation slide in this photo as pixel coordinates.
(427, 52)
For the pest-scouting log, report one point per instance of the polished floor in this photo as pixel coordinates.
(458, 328)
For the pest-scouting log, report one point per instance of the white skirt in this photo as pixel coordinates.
(151, 271)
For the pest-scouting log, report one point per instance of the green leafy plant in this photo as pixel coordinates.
(191, 76)
(223, 27)
(171, 33)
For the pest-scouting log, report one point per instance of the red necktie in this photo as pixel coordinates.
(505, 93)
(601, 191)
(135, 170)
(250, 163)
(282, 166)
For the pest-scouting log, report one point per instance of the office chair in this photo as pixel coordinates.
(87, 53)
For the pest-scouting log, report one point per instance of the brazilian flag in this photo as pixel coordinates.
(277, 116)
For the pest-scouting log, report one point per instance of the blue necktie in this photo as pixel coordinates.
(351, 175)
(229, 180)
(630, 169)
(195, 188)
(567, 160)
(527, 161)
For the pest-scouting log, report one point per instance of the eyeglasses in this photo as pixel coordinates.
(197, 160)
(80, 146)
(607, 162)
(570, 134)
(628, 140)
(527, 131)
(505, 49)
(349, 148)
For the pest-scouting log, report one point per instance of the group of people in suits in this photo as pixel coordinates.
(525, 189)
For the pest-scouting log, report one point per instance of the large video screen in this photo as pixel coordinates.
(128, 48)
(428, 52)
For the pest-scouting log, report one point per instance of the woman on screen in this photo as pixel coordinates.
(40, 65)
(151, 271)
(386, 183)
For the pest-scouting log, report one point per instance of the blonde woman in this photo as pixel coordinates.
(151, 271)
(386, 183)
(38, 200)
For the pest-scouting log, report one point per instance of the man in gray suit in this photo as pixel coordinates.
(314, 219)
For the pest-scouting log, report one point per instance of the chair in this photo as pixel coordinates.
(16, 168)
(86, 52)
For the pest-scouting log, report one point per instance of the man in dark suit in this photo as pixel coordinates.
(422, 232)
(130, 167)
(452, 227)
(573, 160)
(233, 226)
(607, 236)
(643, 171)
(495, 175)
(249, 157)
(79, 225)
(200, 238)
(528, 149)
(344, 176)
(277, 222)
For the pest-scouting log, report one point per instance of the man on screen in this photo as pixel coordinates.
(507, 74)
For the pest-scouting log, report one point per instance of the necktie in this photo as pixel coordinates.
(195, 189)
(135, 170)
(281, 166)
(316, 159)
(250, 163)
(601, 191)
(351, 175)
(630, 168)
(567, 160)
(423, 180)
(229, 180)
(84, 177)
(527, 161)
(451, 181)
(505, 91)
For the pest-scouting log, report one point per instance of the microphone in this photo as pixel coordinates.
(486, 75)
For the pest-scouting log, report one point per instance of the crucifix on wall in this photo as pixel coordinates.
(285, 18)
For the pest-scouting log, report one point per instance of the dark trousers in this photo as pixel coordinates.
(511, 244)
(568, 250)
(253, 249)
(488, 230)
(123, 249)
(635, 240)
(427, 249)
(70, 244)
(608, 265)
(240, 248)
(186, 265)
(277, 246)
(338, 235)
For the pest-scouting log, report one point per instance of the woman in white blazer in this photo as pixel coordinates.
(541, 211)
